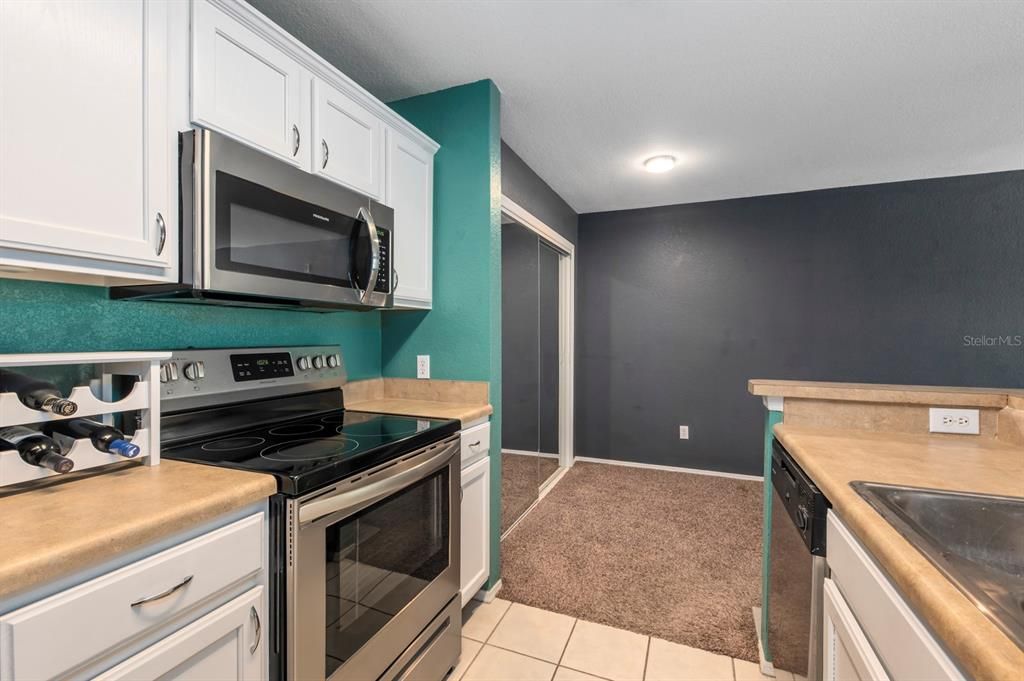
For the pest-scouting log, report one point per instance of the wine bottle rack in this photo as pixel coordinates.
(144, 397)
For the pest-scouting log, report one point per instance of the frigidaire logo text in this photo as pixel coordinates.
(321, 217)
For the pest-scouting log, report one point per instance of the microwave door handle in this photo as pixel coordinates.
(371, 227)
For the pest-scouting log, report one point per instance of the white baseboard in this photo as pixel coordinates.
(488, 595)
(672, 469)
(526, 452)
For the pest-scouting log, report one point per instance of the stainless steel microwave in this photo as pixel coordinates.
(256, 231)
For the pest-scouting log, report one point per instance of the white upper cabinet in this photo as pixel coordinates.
(349, 141)
(410, 192)
(247, 88)
(87, 182)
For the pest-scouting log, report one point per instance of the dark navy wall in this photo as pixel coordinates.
(521, 184)
(680, 305)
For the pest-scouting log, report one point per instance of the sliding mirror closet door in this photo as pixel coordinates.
(530, 368)
(520, 371)
(548, 351)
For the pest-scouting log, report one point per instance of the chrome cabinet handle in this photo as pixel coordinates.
(327, 152)
(162, 227)
(259, 630)
(163, 594)
(394, 280)
(298, 138)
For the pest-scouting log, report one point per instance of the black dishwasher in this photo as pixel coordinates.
(797, 577)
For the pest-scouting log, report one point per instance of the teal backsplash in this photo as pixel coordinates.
(43, 317)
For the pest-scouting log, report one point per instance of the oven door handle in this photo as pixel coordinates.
(372, 492)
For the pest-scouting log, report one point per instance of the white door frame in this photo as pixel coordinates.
(566, 321)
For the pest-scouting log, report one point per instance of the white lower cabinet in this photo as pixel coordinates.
(848, 653)
(196, 610)
(475, 545)
(871, 632)
(225, 645)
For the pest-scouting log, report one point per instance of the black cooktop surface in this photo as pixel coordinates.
(313, 451)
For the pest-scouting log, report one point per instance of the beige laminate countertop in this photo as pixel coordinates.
(53, 531)
(463, 411)
(833, 458)
(880, 392)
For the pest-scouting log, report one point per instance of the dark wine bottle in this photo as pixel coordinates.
(35, 448)
(36, 394)
(104, 438)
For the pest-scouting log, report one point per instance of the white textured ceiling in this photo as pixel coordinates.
(755, 97)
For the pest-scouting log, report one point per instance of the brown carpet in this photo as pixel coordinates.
(518, 486)
(671, 555)
(521, 478)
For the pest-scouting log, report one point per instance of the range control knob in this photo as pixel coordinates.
(303, 363)
(194, 371)
(332, 361)
(318, 362)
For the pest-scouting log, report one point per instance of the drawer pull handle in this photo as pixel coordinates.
(259, 630)
(163, 594)
(297, 138)
(475, 444)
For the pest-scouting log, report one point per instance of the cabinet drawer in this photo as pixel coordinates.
(57, 634)
(476, 442)
(224, 645)
(905, 645)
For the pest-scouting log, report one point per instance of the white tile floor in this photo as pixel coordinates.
(505, 641)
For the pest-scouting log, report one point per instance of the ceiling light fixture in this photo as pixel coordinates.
(660, 164)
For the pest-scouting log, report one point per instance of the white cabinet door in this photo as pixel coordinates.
(848, 655)
(246, 88)
(87, 152)
(410, 192)
(476, 511)
(228, 644)
(349, 141)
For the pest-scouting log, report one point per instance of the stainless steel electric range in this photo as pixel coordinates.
(364, 529)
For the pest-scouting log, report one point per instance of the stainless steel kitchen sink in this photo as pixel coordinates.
(977, 540)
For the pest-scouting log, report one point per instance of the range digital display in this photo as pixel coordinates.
(264, 365)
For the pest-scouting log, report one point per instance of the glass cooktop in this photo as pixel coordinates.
(313, 451)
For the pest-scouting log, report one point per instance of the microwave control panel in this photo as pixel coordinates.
(384, 273)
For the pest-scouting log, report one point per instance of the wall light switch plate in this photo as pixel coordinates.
(684, 432)
(422, 366)
(962, 421)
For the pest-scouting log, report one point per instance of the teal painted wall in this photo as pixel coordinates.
(43, 317)
(462, 333)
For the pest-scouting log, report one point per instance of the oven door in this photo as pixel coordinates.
(270, 230)
(374, 561)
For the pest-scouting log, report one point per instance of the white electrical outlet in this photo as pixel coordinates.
(422, 366)
(963, 421)
(684, 432)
